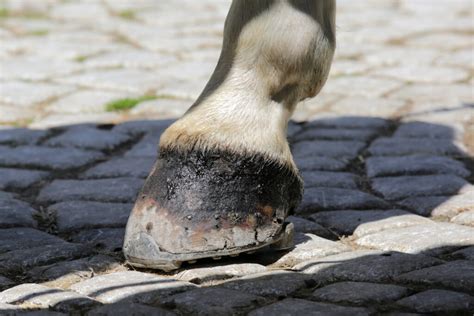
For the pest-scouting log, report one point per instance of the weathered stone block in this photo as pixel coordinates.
(213, 301)
(47, 158)
(359, 293)
(322, 199)
(131, 286)
(138, 167)
(74, 215)
(360, 223)
(294, 306)
(121, 190)
(396, 188)
(414, 165)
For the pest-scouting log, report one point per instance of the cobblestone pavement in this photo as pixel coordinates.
(386, 225)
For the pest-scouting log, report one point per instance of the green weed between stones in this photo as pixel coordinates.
(127, 14)
(127, 103)
(3, 13)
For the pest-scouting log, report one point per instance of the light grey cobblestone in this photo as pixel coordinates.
(45, 297)
(309, 246)
(212, 273)
(131, 286)
(465, 218)
(430, 238)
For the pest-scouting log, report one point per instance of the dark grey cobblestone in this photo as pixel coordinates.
(106, 239)
(466, 253)
(364, 266)
(20, 260)
(147, 147)
(321, 163)
(121, 167)
(437, 301)
(397, 188)
(425, 130)
(335, 134)
(414, 165)
(14, 179)
(5, 283)
(24, 238)
(306, 226)
(75, 215)
(444, 206)
(145, 126)
(294, 306)
(457, 275)
(213, 301)
(269, 284)
(88, 138)
(409, 146)
(121, 190)
(129, 309)
(350, 122)
(15, 213)
(21, 136)
(359, 293)
(47, 158)
(360, 223)
(344, 180)
(332, 149)
(65, 273)
(322, 199)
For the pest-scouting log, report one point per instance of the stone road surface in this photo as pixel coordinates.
(386, 225)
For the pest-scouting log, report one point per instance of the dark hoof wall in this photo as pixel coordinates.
(199, 205)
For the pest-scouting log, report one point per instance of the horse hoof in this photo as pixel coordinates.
(210, 204)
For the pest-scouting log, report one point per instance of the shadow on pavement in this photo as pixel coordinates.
(391, 192)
